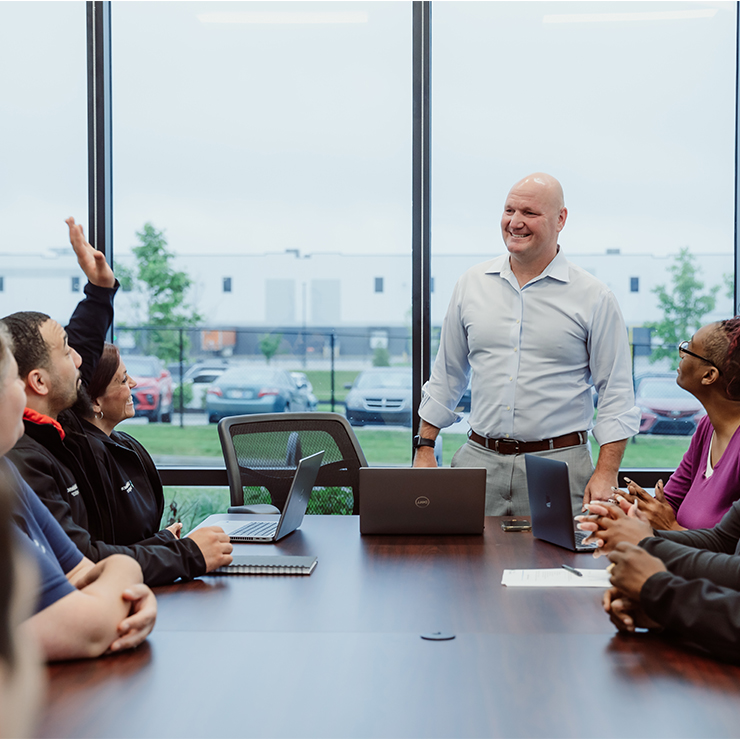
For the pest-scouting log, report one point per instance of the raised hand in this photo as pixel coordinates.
(92, 261)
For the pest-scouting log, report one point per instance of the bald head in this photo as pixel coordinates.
(543, 186)
(534, 215)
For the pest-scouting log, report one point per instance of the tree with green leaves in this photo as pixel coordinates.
(269, 345)
(162, 291)
(684, 306)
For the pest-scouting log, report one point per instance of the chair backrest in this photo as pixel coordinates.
(262, 452)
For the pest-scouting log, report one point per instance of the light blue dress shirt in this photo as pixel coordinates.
(533, 355)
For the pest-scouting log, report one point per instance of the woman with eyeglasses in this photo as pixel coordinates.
(707, 481)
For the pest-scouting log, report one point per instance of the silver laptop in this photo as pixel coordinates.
(294, 510)
(548, 484)
(422, 500)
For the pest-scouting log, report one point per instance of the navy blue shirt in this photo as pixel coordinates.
(54, 551)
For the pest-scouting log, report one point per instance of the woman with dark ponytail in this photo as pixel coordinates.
(707, 481)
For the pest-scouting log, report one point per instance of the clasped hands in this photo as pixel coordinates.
(617, 530)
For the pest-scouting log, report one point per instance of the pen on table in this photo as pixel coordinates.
(572, 570)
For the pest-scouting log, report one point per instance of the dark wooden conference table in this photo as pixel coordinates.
(339, 653)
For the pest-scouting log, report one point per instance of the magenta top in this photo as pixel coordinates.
(700, 502)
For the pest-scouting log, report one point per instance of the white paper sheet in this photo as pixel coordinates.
(556, 578)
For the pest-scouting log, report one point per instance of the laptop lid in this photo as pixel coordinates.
(548, 485)
(299, 494)
(295, 507)
(422, 500)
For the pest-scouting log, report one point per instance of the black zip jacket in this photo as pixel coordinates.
(698, 598)
(68, 478)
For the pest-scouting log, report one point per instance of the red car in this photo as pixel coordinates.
(665, 407)
(153, 391)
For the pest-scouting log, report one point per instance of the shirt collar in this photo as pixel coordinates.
(557, 269)
(37, 418)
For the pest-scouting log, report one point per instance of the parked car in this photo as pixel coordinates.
(245, 390)
(153, 392)
(381, 395)
(200, 376)
(304, 385)
(666, 407)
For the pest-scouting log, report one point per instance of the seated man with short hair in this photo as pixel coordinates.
(54, 458)
(82, 609)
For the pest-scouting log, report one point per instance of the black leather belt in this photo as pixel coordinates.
(515, 447)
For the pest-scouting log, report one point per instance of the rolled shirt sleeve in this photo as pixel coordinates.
(532, 354)
(611, 372)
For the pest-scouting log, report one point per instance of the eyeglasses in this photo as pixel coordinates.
(683, 350)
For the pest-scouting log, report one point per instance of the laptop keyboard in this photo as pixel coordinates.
(580, 536)
(255, 529)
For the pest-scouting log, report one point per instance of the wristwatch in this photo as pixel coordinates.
(423, 442)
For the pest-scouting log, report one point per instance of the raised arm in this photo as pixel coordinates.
(91, 260)
(93, 316)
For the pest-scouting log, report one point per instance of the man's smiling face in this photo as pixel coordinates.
(532, 219)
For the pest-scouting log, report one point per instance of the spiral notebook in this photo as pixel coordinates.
(270, 565)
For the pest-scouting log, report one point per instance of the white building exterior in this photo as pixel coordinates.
(327, 289)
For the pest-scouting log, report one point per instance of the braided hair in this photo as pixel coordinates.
(722, 347)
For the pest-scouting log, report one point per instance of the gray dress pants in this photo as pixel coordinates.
(506, 482)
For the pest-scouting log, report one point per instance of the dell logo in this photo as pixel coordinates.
(422, 502)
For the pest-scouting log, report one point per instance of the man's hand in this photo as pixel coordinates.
(609, 526)
(92, 261)
(599, 487)
(656, 509)
(632, 567)
(424, 458)
(176, 529)
(624, 613)
(215, 545)
(135, 628)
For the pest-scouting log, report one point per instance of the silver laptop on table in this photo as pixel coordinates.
(256, 531)
(548, 484)
(422, 500)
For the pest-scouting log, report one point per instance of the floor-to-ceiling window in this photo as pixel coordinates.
(270, 146)
(43, 165)
(632, 107)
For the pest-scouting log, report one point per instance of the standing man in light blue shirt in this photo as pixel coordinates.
(534, 334)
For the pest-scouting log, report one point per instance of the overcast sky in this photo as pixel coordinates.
(259, 127)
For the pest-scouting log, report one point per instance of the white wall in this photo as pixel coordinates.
(42, 282)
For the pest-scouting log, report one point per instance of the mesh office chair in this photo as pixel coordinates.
(262, 452)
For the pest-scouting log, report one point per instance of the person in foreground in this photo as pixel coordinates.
(685, 582)
(21, 675)
(54, 458)
(83, 609)
(534, 333)
(707, 481)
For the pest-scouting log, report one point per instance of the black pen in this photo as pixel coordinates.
(572, 570)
